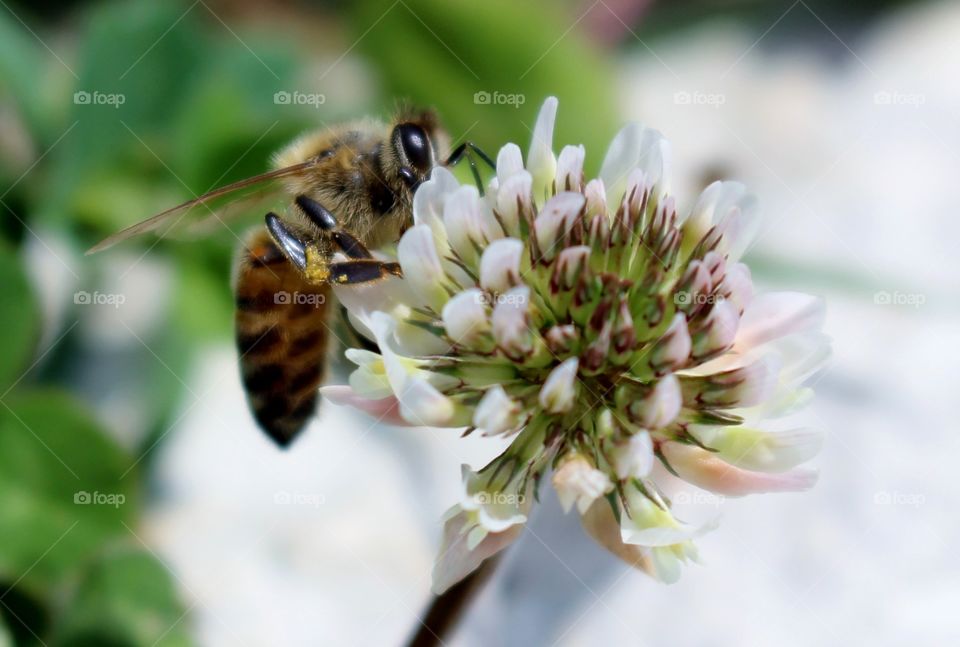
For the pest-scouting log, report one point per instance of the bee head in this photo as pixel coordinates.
(414, 144)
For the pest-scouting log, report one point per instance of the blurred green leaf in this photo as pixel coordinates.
(20, 317)
(5, 639)
(440, 53)
(20, 61)
(125, 597)
(63, 493)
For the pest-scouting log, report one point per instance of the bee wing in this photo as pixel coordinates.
(211, 211)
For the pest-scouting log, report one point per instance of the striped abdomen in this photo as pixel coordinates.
(282, 336)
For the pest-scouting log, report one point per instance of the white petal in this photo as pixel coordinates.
(509, 162)
(776, 314)
(596, 197)
(555, 219)
(570, 168)
(559, 391)
(422, 268)
(719, 330)
(622, 156)
(634, 458)
(510, 327)
(464, 223)
(429, 199)
(737, 286)
(465, 317)
(540, 162)
(500, 265)
(578, 482)
(497, 412)
(514, 197)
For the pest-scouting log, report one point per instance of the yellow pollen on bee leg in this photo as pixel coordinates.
(317, 270)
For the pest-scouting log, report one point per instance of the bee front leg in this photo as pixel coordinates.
(322, 218)
(315, 265)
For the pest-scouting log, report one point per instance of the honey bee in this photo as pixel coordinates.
(351, 188)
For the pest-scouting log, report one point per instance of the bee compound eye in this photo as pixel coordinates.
(416, 146)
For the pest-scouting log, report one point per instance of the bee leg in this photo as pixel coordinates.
(322, 218)
(314, 265)
(467, 149)
(362, 270)
(292, 247)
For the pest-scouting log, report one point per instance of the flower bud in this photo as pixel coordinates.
(633, 457)
(672, 350)
(559, 391)
(465, 318)
(497, 413)
(500, 265)
(578, 481)
(570, 169)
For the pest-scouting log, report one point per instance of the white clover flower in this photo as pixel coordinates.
(600, 329)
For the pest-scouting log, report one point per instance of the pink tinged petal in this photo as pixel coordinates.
(708, 471)
(420, 402)
(384, 409)
(511, 328)
(716, 264)
(500, 265)
(718, 331)
(497, 413)
(559, 391)
(739, 227)
(541, 163)
(761, 451)
(514, 200)
(745, 386)
(422, 269)
(457, 559)
(570, 168)
(601, 524)
(509, 162)
(633, 459)
(672, 350)
(777, 314)
(694, 287)
(554, 220)
(737, 286)
(465, 317)
(660, 406)
(711, 207)
(578, 482)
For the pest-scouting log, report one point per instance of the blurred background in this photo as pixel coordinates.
(139, 504)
